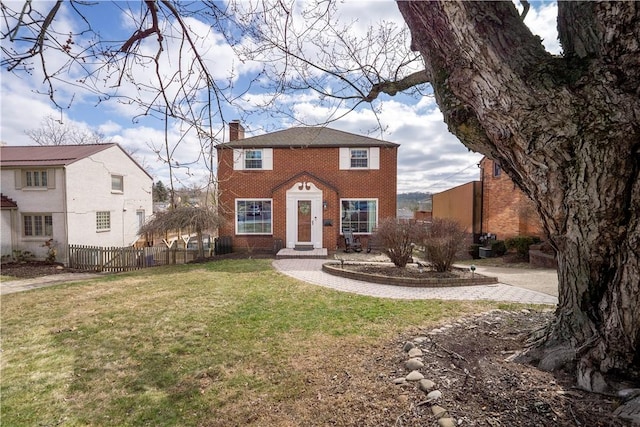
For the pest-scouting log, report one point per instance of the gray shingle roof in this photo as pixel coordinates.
(307, 136)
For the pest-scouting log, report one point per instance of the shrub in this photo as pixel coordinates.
(398, 239)
(443, 239)
(474, 250)
(498, 248)
(521, 244)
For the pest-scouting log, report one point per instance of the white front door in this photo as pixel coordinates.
(304, 215)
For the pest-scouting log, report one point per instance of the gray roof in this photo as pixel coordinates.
(52, 155)
(308, 136)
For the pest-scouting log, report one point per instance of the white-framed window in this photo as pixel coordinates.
(141, 217)
(117, 183)
(359, 158)
(358, 215)
(253, 216)
(253, 159)
(37, 224)
(103, 221)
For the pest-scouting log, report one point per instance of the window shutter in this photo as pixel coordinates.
(345, 158)
(51, 178)
(267, 159)
(18, 179)
(374, 161)
(238, 159)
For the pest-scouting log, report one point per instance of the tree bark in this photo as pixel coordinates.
(566, 130)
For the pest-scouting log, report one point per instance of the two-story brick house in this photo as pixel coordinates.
(303, 186)
(506, 210)
(93, 194)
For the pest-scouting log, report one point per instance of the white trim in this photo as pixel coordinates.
(361, 199)
(304, 191)
(374, 158)
(345, 158)
(235, 215)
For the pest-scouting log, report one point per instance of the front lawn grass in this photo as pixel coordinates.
(221, 343)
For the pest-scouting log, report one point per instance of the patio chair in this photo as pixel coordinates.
(351, 241)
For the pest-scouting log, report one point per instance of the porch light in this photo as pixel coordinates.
(324, 204)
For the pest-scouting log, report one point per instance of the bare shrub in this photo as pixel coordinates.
(398, 238)
(441, 241)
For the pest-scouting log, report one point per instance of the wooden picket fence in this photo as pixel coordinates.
(117, 259)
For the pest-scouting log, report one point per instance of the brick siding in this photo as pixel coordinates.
(506, 210)
(319, 165)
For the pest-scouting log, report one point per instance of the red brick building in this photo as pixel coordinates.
(506, 210)
(303, 186)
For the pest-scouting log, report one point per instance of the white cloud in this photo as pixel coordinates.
(430, 158)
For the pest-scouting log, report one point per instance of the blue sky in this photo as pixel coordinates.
(430, 158)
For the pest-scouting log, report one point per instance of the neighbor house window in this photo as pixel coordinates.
(37, 225)
(497, 170)
(36, 178)
(253, 216)
(103, 221)
(253, 159)
(141, 217)
(360, 216)
(359, 158)
(117, 183)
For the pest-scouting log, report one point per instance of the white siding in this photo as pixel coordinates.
(36, 201)
(89, 191)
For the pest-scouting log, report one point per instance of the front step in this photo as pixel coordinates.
(302, 253)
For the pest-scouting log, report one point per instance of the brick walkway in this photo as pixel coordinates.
(309, 270)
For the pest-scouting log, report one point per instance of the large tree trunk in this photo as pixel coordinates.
(567, 131)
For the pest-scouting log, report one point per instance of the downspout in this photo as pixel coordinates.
(66, 215)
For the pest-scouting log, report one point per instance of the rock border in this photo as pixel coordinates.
(335, 268)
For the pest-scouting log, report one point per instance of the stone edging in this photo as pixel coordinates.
(335, 269)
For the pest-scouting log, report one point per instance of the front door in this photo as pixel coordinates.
(304, 215)
(304, 222)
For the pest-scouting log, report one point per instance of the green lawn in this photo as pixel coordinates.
(224, 343)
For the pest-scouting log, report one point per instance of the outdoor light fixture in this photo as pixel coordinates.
(324, 204)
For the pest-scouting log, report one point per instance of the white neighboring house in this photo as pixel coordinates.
(92, 194)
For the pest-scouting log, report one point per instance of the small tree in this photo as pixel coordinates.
(442, 240)
(194, 219)
(398, 239)
(160, 192)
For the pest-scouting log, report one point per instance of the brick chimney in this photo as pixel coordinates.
(236, 131)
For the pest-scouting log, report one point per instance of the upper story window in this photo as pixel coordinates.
(37, 225)
(253, 159)
(359, 158)
(35, 178)
(117, 183)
